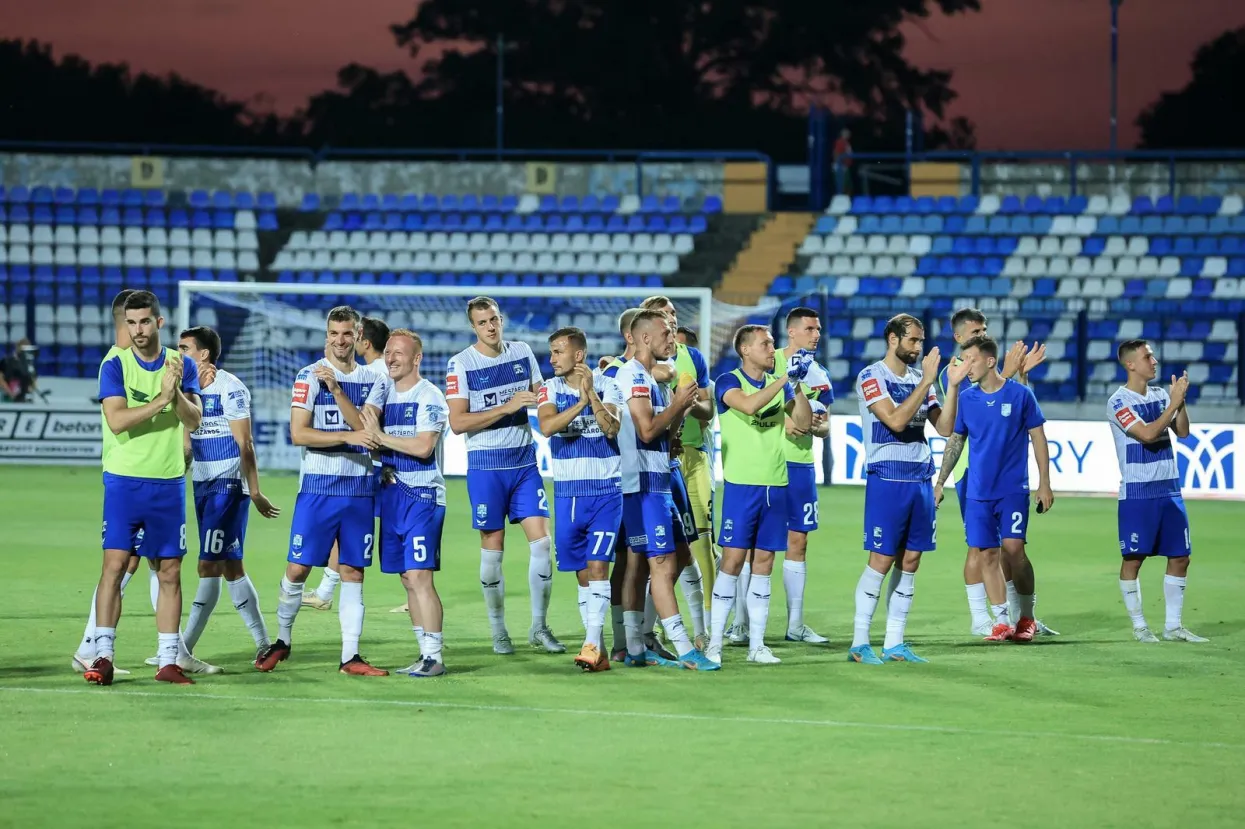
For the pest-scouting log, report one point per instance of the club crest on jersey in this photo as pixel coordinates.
(435, 412)
(211, 405)
(1006, 410)
(519, 370)
(408, 412)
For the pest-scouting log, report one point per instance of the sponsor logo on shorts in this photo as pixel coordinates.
(637, 540)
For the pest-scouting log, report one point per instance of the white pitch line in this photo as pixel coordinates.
(643, 715)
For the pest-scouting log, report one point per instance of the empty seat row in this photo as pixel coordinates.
(528, 203)
(1024, 224)
(246, 260)
(152, 237)
(135, 217)
(495, 242)
(533, 222)
(990, 204)
(362, 260)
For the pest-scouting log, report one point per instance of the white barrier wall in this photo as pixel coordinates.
(1211, 459)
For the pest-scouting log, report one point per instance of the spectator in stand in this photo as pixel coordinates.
(17, 372)
(843, 162)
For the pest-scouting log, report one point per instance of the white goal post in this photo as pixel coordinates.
(271, 330)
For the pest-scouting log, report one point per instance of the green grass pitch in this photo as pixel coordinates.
(1089, 729)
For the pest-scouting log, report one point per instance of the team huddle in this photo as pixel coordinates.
(631, 446)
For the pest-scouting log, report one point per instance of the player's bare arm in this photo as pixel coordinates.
(750, 404)
(663, 373)
(242, 436)
(950, 456)
(462, 420)
(820, 427)
(551, 421)
(1156, 429)
(422, 445)
(350, 413)
(121, 418)
(187, 452)
(1041, 453)
(1180, 424)
(606, 414)
(702, 409)
(798, 410)
(303, 433)
(897, 418)
(944, 423)
(187, 407)
(649, 427)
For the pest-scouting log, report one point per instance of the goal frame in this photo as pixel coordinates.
(186, 288)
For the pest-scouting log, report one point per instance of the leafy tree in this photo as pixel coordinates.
(1210, 111)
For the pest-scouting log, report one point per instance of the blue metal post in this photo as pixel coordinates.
(1082, 346)
(1115, 72)
(501, 95)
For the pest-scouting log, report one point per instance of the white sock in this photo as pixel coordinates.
(582, 593)
(620, 631)
(892, 584)
(897, 611)
(676, 633)
(350, 614)
(432, 646)
(540, 580)
(1173, 595)
(758, 610)
(419, 640)
(1001, 614)
(105, 642)
(868, 591)
(86, 650)
(1130, 589)
(288, 603)
(246, 601)
(206, 597)
(794, 575)
(494, 585)
(633, 620)
(1013, 600)
(599, 594)
(1025, 603)
(741, 596)
(978, 604)
(168, 647)
(650, 610)
(153, 587)
(725, 589)
(125, 579)
(328, 584)
(694, 593)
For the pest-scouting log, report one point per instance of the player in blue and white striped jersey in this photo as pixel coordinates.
(490, 387)
(335, 488)
(1152, 516)
(895, 401)
(410, 432)
(579, 413)
(226, 482)
(369, 347)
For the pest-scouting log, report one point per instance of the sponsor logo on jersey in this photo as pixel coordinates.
(332, 417)
(1125, 418)
(542, 397)
(871, 389)
(451, 384)
(301, 390)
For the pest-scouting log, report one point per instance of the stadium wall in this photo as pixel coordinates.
(289, 179)
(1211, 459)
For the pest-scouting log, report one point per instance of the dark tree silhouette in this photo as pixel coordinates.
(635, 73)
(44, 99)
(1210, 111)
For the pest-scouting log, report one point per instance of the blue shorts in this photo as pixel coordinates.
(319, 520)
(899, 515)
(585, 528)
(961, 495)
(145, 517)
(498, 493)
(222, 521)
(651, 523)
(987, 523)
(801, 498)
(754, 517)
(410, 529)
(1154, 527)
(686, 529)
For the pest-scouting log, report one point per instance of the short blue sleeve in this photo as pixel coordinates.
(961, 428)
(111, 379)
(827, 396)
(190, 376)
(702, 368)
(721, 386)
(1032, 411)
(611, 371)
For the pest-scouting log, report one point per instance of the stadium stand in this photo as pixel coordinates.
(1036, 264)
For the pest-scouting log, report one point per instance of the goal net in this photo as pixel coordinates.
(271, 330)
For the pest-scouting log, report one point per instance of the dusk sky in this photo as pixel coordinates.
(1032, 74)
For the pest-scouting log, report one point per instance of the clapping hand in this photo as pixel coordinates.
(956, 372)
(207, 375)
(1035, 357)
(1014, 360)
(930, 363)
(327, 377)
(522, 400)
(1179, 389)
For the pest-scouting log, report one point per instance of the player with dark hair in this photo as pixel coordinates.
(1152, 516)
